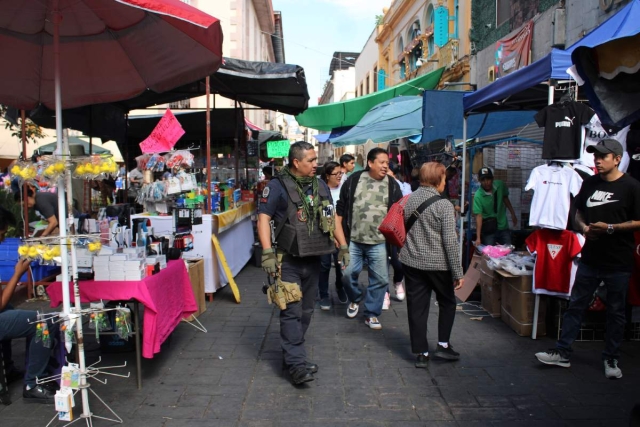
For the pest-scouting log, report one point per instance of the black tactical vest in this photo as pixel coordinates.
(294, 237)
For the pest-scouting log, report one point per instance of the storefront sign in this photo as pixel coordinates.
(164, 136)
(277, 149)
(514, 52)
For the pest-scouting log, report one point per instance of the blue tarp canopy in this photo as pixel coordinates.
(611, 72)
(442, 111)
(329, 137)
(396, 118)
(522, 89)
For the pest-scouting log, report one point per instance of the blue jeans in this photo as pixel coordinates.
(501, 237)
(376, 258)
(15, 324)
(588, 278)
(325, 270)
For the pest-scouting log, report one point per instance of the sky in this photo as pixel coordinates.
(315, 29)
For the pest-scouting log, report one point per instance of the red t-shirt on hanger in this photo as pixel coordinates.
(555, 251)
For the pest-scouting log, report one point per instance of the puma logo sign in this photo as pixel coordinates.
(599, 198)
(567, 123)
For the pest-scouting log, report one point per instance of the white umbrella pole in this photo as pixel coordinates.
(66, 300)
(63, 148)
(463, 212)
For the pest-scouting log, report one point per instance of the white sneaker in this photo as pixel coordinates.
(611, 369)
(352, 310)
(373, 323)
(399, 291)
(387, 302)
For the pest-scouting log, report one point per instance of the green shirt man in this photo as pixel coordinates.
(490, 203)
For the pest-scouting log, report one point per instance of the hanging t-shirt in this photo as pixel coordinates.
(612, 203)
(596, 132)
(555, 251)
(562, 124)
(633, 148)
(553, 186)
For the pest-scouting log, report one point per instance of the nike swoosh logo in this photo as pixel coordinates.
(591, 204)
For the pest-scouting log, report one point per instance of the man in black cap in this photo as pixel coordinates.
(608, 213)
(490, 204)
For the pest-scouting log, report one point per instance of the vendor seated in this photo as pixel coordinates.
(16, 324)
(47, 205)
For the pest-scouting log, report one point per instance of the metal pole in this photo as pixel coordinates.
(463, 213)
(25, 188)
(236, 148)
(536, 307)
(208, 207)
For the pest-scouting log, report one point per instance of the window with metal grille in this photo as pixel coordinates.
(185, 103)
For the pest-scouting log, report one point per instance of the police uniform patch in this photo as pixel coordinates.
(265, 192)
(302, 216)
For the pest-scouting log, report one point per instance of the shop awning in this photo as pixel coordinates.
(521, 89)
(397, 118)
(280, 87)
(348, 113)
(442, 114)
(611, 71)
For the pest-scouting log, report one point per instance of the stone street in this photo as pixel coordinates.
(232, 375)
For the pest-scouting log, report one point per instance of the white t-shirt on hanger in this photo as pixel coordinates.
(553, 186)
(594, 133)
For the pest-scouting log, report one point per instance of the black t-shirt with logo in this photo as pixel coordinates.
(563, 129)
(612, 203)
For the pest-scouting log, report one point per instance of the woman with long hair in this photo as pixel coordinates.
(332, 175)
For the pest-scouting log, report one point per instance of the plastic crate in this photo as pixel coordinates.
(39, 272)
(9, 249)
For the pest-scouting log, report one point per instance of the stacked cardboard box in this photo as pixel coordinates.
(196, 276)
(517, 305)
(490, 287)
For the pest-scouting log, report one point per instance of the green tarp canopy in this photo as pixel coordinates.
(348, 113)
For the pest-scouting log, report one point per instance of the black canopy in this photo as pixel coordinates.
(280, 87)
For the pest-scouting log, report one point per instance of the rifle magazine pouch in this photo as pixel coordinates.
(276, 295)
(292, 292)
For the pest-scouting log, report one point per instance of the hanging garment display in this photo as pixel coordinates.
(633, 148)
(596, 132)
(555, 251)
(562, 124)
(553, 186)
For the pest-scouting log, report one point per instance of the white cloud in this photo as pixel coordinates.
(360, 9)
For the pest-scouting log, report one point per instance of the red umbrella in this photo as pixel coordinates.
(109, 50)
(70, 53)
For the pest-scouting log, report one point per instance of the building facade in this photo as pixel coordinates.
(339, 87)
(417, 37)
(252, 31)
(555, 23)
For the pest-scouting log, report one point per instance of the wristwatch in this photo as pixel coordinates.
(610, 229)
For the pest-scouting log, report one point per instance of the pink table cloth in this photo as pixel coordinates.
(167, 298)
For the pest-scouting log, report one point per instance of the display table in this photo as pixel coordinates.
(167, 298)
(235, 233)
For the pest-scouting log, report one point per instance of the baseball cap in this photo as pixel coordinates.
(606, 146)
(485, 173)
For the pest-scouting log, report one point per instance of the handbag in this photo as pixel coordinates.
(490, 225)
(393, 226)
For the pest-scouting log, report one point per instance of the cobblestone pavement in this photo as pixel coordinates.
(232, 376)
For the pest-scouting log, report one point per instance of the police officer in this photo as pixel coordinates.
(296, 212)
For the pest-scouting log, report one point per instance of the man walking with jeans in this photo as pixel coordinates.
(365, 199)
(608, 213)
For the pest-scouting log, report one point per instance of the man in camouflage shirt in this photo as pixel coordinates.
(365, 199)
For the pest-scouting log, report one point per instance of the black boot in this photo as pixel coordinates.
(311, 367)
(301, 375)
